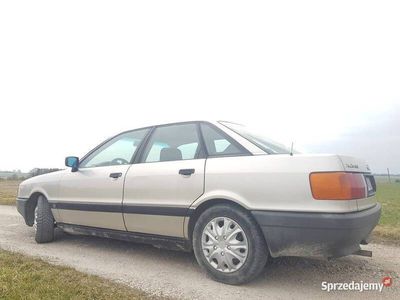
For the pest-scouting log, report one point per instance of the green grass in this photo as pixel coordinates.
(22, 277)
(388, 194)
(8, 191)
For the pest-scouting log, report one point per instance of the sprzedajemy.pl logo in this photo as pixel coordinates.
(360, 286)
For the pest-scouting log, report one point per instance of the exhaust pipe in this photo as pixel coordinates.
(362, 252)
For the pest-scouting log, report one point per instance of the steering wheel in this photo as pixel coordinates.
(119, 161)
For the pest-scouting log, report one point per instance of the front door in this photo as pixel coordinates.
(168, 178)
(92, 196)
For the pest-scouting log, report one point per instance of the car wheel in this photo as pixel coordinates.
(43, 221)
(229, 244)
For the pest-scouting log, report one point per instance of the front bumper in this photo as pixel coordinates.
(316, 234)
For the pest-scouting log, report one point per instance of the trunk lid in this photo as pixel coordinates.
(353, 164)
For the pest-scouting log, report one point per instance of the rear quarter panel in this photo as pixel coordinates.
(271, 182)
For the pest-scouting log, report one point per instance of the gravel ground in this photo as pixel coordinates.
(177, 275)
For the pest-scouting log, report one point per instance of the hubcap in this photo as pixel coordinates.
(35, 219)
(224, 244)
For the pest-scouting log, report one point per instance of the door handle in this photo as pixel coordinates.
(186, 171)
(115, 175)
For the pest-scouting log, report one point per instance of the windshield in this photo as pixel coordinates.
(266, 144)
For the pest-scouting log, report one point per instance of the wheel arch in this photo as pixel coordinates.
(196, 212)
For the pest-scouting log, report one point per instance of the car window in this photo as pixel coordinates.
(266, 144)
(217, 143)
(172, 142)
(117, 151)
(189, 150)
(154, 153)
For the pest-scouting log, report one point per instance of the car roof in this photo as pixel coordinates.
(182, 121)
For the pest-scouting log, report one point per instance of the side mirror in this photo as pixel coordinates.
(72, 162)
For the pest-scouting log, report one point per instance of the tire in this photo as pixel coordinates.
(226, 267)
(44, 221)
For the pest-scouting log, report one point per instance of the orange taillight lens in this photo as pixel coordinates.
(337, 186)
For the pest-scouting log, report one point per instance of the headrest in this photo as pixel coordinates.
(168, 154)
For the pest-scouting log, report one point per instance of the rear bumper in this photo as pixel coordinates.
(23, 208)
(316, 234)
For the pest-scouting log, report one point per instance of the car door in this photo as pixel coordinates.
(92, 196)
(167, 178)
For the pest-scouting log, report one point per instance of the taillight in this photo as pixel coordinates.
(337, 186)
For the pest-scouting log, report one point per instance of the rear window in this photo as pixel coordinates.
(219, 144)
(266, 144)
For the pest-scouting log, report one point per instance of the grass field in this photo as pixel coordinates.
(388, 194)
(23, 277)
(8, 191)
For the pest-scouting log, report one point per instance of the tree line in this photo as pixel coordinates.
(18, 175)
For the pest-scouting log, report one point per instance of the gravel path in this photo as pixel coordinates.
(176, 274)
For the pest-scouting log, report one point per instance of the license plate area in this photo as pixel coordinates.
(371, 185)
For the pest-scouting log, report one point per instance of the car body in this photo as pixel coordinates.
(172, 174)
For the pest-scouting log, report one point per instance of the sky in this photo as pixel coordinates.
(323, 75)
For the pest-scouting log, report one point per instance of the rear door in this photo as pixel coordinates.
(92, 196)
(168, 177)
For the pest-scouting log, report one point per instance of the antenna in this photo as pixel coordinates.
(291, 150)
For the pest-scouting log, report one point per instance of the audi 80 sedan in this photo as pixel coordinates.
(232, 197)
